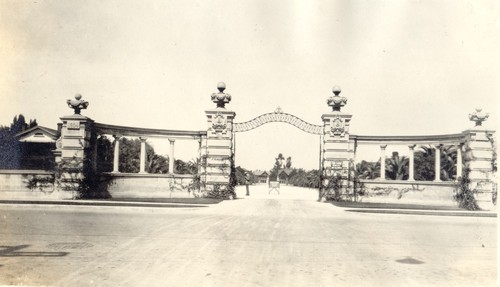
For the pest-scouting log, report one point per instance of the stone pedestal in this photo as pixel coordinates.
(479, 155)
(218, 148)
(75, 155)
(338, 150)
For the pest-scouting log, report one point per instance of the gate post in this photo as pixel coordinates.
(480, 160)
(338, 149)
(75, 152)
(219, 145)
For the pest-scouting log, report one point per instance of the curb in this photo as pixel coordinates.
(426, 212)
(102, 203)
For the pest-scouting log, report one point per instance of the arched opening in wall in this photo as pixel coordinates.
(278, 152)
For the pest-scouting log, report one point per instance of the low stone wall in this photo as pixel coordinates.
(137, 185)
(14, 184)
(423, 192)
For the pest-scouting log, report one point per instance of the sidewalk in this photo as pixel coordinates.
(260, 192)
(412, 209)
(104, 202)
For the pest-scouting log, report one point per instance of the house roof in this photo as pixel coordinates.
(287, 171)
(261, 173)
(37, 134)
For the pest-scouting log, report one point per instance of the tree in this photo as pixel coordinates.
(10, 150)
(279, 161)
(240, 175)
(278, 164)
(299, 178)
(182, 167)
(156, 163)
(425, 159)
(18, 124)
(449, 162)
(130, 151)
(288, 162)
(104, 154)
(313, 177)
(396, 167)
(424, 164)
(368, 170)
(33, 123)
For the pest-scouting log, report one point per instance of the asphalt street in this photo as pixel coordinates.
(265, 239)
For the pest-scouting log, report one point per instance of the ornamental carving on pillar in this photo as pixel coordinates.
(337, 127)
(336, 101)
(219, 123)
(478, 117)
(77, 104)
(221, 98)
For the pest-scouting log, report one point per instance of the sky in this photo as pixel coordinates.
(406, 67)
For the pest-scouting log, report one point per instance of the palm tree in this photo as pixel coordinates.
(156, 163)
(425, 159)
(449, 162)
(367, 170)
(396, 167)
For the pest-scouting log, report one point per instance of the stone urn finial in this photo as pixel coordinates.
(77, 104)
(478, 117)
(221, 98)
(336, 101)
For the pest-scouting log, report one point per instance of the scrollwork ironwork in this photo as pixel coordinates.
(278, 117)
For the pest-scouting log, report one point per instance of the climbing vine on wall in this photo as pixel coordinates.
(464, 195)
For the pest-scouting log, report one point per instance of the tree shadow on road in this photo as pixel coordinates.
(15, 251)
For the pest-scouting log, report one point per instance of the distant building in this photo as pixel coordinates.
(261, 176)
(285, 174)
(36, 146)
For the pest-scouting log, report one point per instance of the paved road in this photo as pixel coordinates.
(264, 240)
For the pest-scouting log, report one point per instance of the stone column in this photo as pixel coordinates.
(459, 161)
(219, 143)
(116, 154)
(203, 158)
(199, 156)
(143, 155)
(437, 162)
(411, 170)
(171, 158)
(382, 161)
(337, 149)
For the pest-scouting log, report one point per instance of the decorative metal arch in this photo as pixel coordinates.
(278, 116)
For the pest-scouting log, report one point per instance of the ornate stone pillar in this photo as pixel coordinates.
(116, 154)
(171, 157)
(338, 148)
(74, 149)
(382, 161)
(143, 155)
(437, 162)
(219, 142)
(411, 170)
(479, 154)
